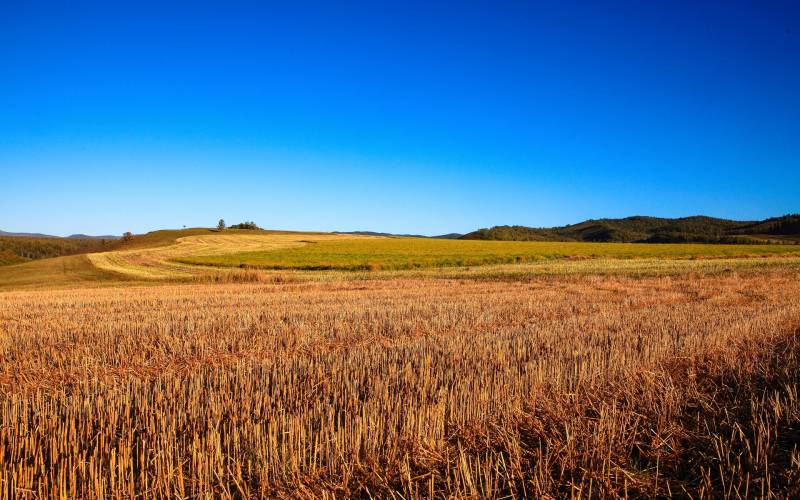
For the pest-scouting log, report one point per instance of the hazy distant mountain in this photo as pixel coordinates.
(652, 230)
(449, 236)
(40, 235)
(102, 237)
(27, 235)
(374, 233)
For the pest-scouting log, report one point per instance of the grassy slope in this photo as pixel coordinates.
(55, 272)
(78, 269)
(164, 237)
(157, 262)
(409, 253)
(7, 258)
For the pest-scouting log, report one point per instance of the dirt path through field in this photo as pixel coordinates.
(156, 262)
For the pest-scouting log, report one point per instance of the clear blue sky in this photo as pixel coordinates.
(409, 117)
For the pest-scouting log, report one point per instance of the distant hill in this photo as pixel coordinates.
(375, 233)
(700, 229)
(27, 235)
(90, 237)
(40, 235)
(449, 236)
(16, 248)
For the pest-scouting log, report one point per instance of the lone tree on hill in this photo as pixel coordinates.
(127, 236)
(221, 225)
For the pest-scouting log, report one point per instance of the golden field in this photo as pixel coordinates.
(407, 386)
(204, 255)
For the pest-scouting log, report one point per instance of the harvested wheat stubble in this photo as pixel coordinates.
(582, 386)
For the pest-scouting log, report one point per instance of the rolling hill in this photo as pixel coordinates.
(696, 229)
(18, 249)
(200, 254)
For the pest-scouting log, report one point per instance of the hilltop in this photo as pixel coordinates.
(643, 229)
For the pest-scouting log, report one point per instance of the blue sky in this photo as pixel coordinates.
(412, 117)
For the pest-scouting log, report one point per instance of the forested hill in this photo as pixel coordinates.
(644, 229)
(19, 249)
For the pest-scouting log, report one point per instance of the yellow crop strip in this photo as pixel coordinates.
(413, 253)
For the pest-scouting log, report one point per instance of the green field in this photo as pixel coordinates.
(411, 253)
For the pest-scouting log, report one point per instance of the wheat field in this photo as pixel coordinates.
(550, 386)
